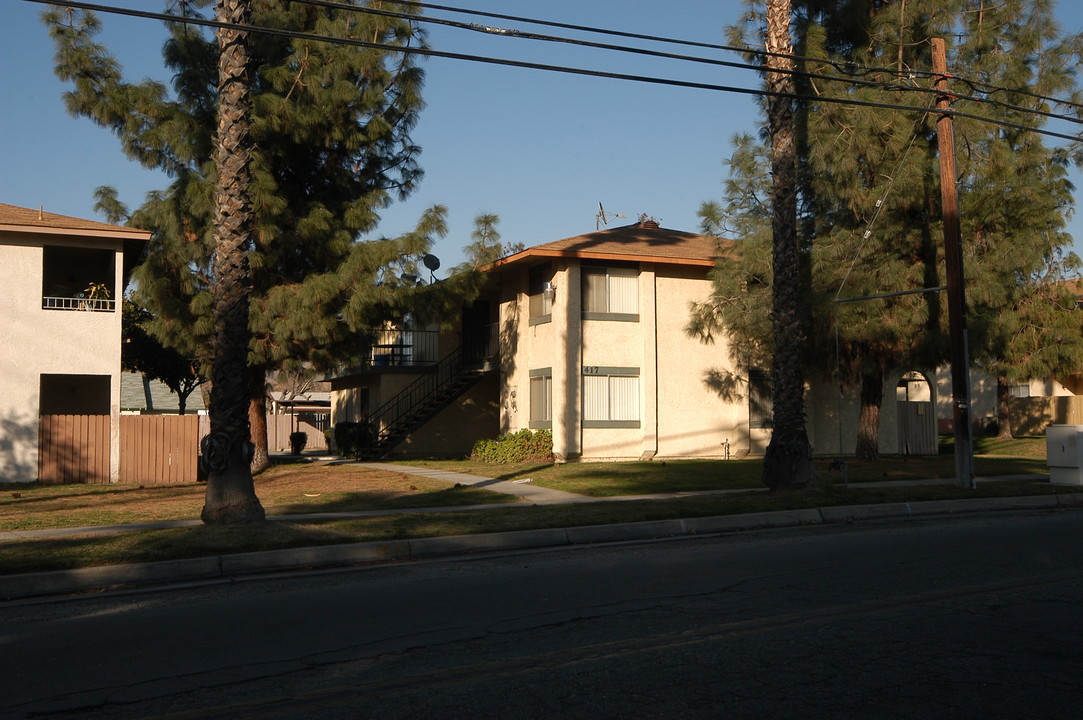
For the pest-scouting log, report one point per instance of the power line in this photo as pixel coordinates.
(429, 52)
(848, 79)
(847, 68)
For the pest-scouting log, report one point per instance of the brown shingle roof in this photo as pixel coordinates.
(13, 217)
(642, 242)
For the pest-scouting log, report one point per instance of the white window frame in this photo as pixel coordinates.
(540, 302)
(611, 397)
(618, 305)
(541, 399)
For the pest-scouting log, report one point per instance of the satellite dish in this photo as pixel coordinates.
(602, 218)
(431, 262)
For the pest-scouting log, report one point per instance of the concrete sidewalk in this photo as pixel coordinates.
(520, 488)
(227, 566)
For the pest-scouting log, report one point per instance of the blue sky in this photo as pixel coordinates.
(541, 150)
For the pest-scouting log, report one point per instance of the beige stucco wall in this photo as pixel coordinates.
(983, 395)
(832, 416)
(694, 420)
(34, 341)
(679, 415)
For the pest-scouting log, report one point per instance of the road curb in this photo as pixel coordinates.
(29, 585)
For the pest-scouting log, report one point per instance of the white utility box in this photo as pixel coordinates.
(1064, 454)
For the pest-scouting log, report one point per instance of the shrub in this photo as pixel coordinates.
(353, 438)
(298, 440)
(522, 446)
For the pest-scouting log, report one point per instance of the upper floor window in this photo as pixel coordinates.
(78, 279)
(611, 293)
(540, 290)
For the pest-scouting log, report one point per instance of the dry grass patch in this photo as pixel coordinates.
(288, 489)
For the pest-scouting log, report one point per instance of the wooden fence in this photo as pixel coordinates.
(159, 449)
(311, 424)
(73, 449)
(1031, 416)
(154, 449)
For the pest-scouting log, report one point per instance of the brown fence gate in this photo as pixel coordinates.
(159, 449)
(73, 449)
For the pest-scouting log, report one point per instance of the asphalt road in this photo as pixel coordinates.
(976, 617)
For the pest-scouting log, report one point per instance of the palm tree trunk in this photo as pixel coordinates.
(788, 459)
(1004, 410)
(227, 451)
(868, 422)
(257, 419)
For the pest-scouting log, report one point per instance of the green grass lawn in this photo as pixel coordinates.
(300, 488)
(148, 546)
(1022, 456)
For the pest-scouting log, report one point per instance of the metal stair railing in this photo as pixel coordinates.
(396, 416)
(392, 418)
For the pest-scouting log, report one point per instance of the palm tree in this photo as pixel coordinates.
(227, 451)
(788, 459)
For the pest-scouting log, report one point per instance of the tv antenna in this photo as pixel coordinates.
(602, 218)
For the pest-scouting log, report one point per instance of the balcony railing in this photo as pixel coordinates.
(76, 303)
(405, 347)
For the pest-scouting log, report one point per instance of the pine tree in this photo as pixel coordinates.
(331, 147)
(142, 353)
(869, 196)
(1016, 197)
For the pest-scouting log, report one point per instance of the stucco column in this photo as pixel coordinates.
(117, 331)
(648, 375)
(567, 372)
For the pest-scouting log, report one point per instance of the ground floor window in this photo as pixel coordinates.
(610, 397)
(541, 398)
(760, 406)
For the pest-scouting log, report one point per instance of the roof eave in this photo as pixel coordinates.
(133, 234)
(541, 252)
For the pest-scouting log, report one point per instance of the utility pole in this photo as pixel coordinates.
(953, 260)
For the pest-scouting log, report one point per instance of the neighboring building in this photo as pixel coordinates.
(60, 341)
(586, 337)
(143, 396)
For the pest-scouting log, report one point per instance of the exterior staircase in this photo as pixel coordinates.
(420, 401)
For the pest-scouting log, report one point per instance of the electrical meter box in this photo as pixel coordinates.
(1064, 454)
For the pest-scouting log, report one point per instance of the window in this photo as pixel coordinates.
(611, 293)
(541, 302)
(541, 398)
(610, 397)
(1019, 391)
(760, 406)
(78, 279)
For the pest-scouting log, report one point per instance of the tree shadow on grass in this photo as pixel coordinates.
(385, 500)
(72, 553)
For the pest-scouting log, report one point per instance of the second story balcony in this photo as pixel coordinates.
(398, 348)
(75, 278)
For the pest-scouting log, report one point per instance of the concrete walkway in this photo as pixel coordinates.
(523, 488)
